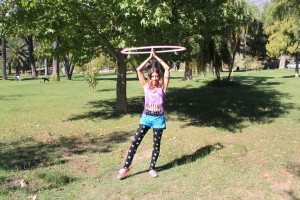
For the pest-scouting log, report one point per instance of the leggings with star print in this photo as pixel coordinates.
(138, 137)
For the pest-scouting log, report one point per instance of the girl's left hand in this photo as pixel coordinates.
(153, 52)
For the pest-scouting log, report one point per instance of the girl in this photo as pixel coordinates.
(153, 114)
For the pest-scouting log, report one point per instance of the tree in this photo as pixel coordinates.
(3, 11)
(220, 26)
(55, 65)
(256, 41)
(288, 11)
(241, 14)
(282, 38)
(19, 23)
(48, 20)
(130, 23)
(123, 26)
(30, 46)
(17, 54)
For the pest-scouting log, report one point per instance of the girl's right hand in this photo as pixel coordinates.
(152, 53)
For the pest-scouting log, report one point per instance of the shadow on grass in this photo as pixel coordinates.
(222, 107)
(290, 76)
(26, 78)
(228, 107)
(48, 180)
(106, 109)
(28, 154)
(200, 153)
(11, 97)
(294, 168)
(115, 78)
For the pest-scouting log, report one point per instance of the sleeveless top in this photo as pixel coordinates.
(154, 101)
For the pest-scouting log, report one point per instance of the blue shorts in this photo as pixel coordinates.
(153, 121)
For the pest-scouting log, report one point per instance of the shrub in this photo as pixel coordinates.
(91, 78)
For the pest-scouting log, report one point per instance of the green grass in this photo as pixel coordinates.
(66, 142)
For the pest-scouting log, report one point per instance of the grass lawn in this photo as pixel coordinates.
(62, 141)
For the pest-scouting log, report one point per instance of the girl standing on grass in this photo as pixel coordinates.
(153, 114)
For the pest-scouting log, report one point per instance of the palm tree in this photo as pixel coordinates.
(17, 54)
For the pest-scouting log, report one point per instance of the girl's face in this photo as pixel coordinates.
(155, 79)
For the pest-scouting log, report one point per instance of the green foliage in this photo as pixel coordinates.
(84, 34)
(256, 41)
(283, 37)
(284, 9)
(53, 78)
(91, 78)
(249, 61)
(101, 61)
(282, 25)
(17, 54)
(226, 24)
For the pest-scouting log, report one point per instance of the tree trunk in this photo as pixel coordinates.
(56, 60)
(72, 66)
(216, 66)
(9, 69)
(187, 72)
(232, 61)
(4, 74)
(282, 61)
(17, 69)
(67, 66)
(231, 66)
(46, 66)
(177, 66)
(29, 42)
(297, 66)
(121, 104)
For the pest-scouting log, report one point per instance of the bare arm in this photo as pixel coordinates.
(167, 71)
(140, 71)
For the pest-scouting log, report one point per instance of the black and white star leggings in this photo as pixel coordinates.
(138, 137)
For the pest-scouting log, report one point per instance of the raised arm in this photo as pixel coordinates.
(140, 70)
(167, 71)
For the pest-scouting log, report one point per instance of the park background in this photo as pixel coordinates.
(70, 102)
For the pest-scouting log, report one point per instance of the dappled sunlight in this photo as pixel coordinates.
(29, 153)
(99, 110)
(185, 159)
(227, 108)
(221, 107)
(105, 109)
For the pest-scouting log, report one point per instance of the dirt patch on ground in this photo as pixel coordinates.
(82, 166)
(17, 182)
(143, 151)
(287, 185)
(294, 168)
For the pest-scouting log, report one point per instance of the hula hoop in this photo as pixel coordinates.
(169, 49)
